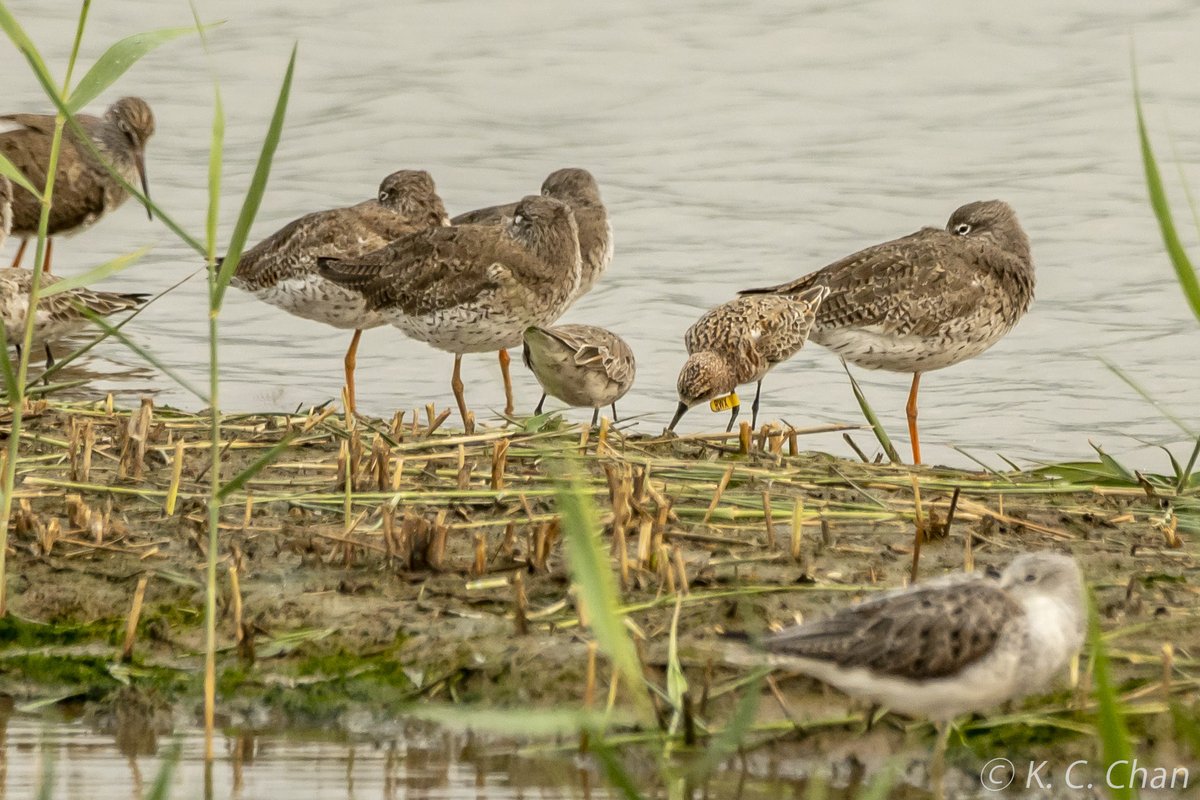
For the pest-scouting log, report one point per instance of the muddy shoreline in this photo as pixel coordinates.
(377, 565)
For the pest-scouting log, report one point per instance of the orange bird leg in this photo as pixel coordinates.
(20, 253)
(351, 361)
(508, 392)
(457, 385)
(911, 411)
(46, 261)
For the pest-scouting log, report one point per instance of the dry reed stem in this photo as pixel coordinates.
(744, 439)
(797, 529)
(680, 569)
(768, 520)
(499, 463)
(131, 622)
(479, 566)
(235, 590)
(919, 534)
(716, 498)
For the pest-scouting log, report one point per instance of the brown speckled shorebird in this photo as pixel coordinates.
(471, 288)
(928, 300)
(582, 365)
(740, 342)
(83, 189)
(282, 269)
(577, 188)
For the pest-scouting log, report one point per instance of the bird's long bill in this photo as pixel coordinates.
(679, 412)
(140, 160)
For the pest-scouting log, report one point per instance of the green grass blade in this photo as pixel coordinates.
(95, 274)
(260, 463)
(258, 186)
(1145, 395)
(1115, 744)
(1115, 468)
(615, 773)
(162, 781)
(1184, 270)
(116, 60)
(869, 413)
(6, 367)
(8, 169)
(597, 587)
(1186, 475)
(727, 742)
(677, 684)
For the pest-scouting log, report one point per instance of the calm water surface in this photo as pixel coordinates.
(736, 144)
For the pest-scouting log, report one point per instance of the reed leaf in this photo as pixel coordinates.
(869, 414)
(1114, 743)
(615, 773)
(95, 274)
(146, 355)
(1184, 271)
(258, 186)
(116, 60)
(162, 781)
(19, 38)
(15, 175)
(259, 464)
(597, 587)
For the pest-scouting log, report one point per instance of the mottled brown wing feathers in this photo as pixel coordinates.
(493, 215)
(925, 633)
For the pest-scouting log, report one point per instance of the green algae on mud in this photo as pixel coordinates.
(373, 566)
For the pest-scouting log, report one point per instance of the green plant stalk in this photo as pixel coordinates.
(17, 391)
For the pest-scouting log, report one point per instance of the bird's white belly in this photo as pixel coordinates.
(985, 684)
(313, 297)
(874, 349)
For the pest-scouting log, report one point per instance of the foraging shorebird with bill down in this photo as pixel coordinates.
(740, 342)
(84, 191)
(925, 301)
(577, 188)
(282, 269)
(471, 288)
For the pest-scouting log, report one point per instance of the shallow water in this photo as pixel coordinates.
(735, 145)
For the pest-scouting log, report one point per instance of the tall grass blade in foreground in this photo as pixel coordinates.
(1184, 270)
(885, 441)
(598, 592)
(1115, 747)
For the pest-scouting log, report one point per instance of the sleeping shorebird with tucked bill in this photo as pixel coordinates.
(577, 188)
(740, 342)
(927, 300)
(84, 190)
(583, 365)
(282, 269)
(471, 288)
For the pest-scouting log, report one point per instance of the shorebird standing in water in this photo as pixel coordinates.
(948, 647)
(282, 269)
(577, 188)
(471, 288)
(57, 315)
(925, 301)
(740, 342)
(84, 191)
(582, 365)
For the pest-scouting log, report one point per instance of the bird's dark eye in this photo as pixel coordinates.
(1030, 578)
(962, 228)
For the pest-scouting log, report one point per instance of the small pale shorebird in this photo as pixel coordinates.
(740, 342)
(582, 365)
(84, 191)
(282, 269)
(927, 300)
(948, 647)
(577, 188)
(471, 288)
